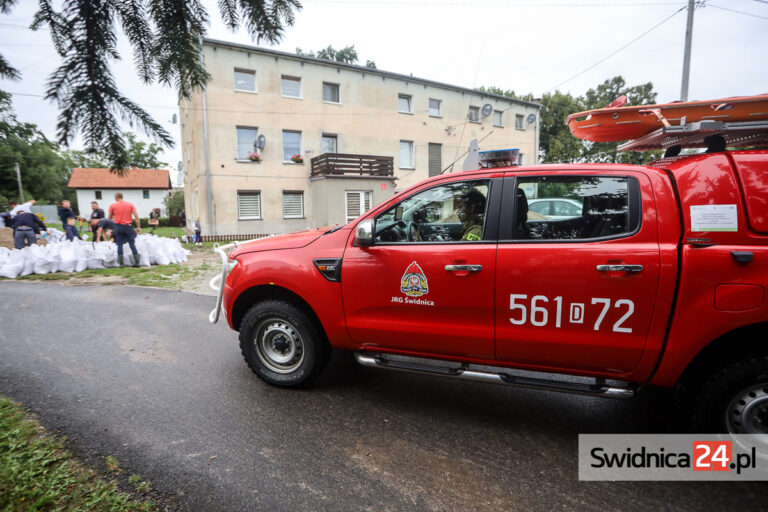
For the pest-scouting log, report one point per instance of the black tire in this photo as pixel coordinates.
(734, 399)
(282, 344)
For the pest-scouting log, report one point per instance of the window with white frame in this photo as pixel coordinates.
(330, 143)
(406, 154)
(520, 159)
(290, 86)
(246, 138)
(404, 104)
(331, 92)
(291, 144)
(498, 118)
(357, 203)
(474, 114)
(245, 80)
(519, 122)
(293, 204)
(435, 107)
(248, 205)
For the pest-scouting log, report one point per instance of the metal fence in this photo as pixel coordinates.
(233, 238)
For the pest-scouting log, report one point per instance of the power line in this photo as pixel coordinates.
(738, 12)
(501, 3)
(620, 49)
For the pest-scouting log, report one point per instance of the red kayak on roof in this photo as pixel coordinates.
(617, 122)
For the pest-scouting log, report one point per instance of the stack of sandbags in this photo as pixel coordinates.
(78, 255)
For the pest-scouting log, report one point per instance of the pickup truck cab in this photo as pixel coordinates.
(659, 280)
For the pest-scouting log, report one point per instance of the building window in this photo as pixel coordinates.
(498, 118)
(293, 205)
(329, 143)
(98, 194)
(249, 205)
(145, 194)
(357, 203)
(291, 86)
(520, 159)
(435, 159)
(331, 92)
(291, 144)
(434, 108)
(519, 120)
(246, 138)
(245, 80)
(474, 114)
(406, 154)
(404, 104)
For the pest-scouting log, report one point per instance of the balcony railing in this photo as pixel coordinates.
(341, 164)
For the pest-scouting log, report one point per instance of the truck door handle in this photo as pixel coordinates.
(463, 268)
(619, 268)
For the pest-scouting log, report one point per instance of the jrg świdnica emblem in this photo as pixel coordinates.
(414, 282)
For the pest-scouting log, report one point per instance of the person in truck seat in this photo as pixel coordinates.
(470, 211)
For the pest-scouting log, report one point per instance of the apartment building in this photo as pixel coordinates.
(279, 142)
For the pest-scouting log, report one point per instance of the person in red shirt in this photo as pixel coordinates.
(121, 212)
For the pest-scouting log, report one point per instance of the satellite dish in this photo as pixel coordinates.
(180, 166)
(487, 109)
(531, 118)
(174, 119)
(260, 142)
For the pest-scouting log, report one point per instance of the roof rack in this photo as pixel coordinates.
(693, 135)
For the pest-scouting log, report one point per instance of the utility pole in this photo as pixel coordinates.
(18, 179)
(687, 55)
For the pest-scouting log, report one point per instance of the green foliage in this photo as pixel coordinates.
(166, 36)
(143, 155)
(347, 55)
(37, 473)
(44, 170)
(174, 202)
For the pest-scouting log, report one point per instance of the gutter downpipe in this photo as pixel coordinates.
(211, 225)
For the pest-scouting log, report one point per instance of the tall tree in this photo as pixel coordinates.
(166, 36)
(44, 170)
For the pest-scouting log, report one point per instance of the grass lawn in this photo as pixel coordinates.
(166, 276)
(38, 473)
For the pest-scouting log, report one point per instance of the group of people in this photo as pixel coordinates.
(119, 225)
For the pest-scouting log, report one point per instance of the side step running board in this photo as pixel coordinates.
(598, 388)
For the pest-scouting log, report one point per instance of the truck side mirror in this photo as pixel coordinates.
(364, 234)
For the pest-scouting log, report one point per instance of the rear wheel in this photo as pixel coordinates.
(734, 399)
(282, 344)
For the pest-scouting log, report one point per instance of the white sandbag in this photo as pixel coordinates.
(55, 235)
(30, 258)
(4, 252)
(67, 256)
(81, 256)
(45, 261)
(13, 264)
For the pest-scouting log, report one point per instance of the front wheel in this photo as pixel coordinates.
(282, 344)
(735, 399)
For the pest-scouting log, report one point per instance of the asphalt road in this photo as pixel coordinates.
(145, 378)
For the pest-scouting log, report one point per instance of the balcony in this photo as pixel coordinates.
(341, 164)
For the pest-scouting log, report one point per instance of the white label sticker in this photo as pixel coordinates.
(714, 217)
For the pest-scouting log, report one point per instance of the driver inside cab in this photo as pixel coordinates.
(470, 209)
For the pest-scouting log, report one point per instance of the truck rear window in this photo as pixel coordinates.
(752, 168)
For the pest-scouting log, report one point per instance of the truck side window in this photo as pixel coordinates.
(573, 207)
(454, 212)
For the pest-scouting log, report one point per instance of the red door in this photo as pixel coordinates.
(578, 293)
(430, 291)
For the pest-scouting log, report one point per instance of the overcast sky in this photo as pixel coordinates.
(524, 45)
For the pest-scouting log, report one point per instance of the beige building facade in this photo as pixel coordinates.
(332, 139)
